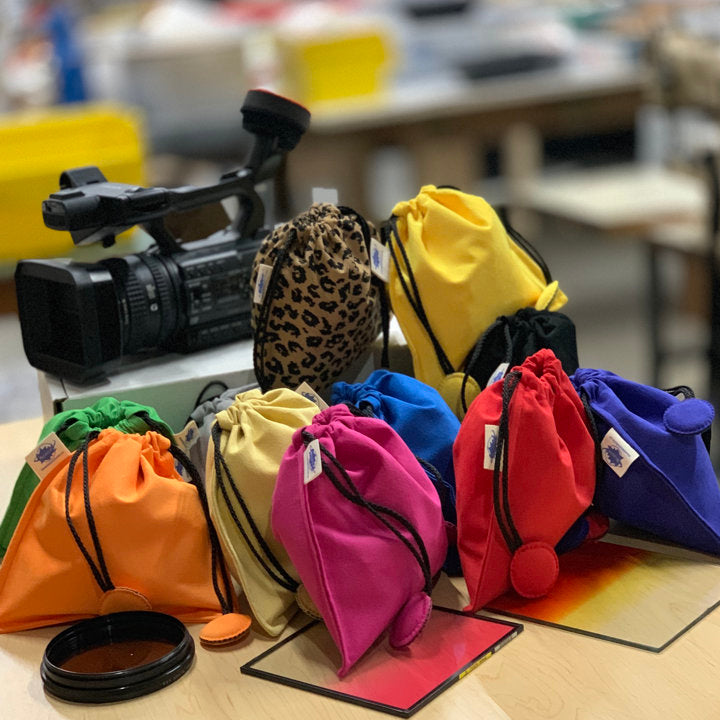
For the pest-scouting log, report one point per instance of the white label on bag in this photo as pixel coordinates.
(261, 283)
(188, 436)
(492, 439)
(379, 260)
(49, 452)
(307, 392)
(617, 453)
(498, 374)
(312, 461)
(325, 195)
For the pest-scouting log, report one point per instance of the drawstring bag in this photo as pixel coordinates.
(114, 528)
(362, 525)
(422, 419)
(654, 468)
(525, 472)
(317, 308)
(247, 444)
(204, 417)
(72, 427)
(511, 339)
(454, 269)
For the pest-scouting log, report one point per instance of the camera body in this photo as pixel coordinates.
(79, 320)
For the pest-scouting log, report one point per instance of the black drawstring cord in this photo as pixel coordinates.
(279, 575)
(594, 432)
(501, 501)
(351, 493)
(684, 390)
(525, 244)
(362, 410)
(377, 283)
(99, 571)
(212, 383)
(476, 353)
(217, 564)
(446, 503)
(261, 330)
(390, 230)
(216, 559)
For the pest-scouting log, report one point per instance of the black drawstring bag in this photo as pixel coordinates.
(513, 338)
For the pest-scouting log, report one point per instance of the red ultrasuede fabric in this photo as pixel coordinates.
(550, 476)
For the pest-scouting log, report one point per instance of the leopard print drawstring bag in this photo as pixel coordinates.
(317, 306)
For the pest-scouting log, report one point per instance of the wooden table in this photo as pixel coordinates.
(663, 209)
(447, 128)
(545, 673)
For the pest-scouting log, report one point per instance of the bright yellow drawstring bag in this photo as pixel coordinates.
(455, 268)
(248, 441)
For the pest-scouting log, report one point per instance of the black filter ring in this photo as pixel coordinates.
(104, 687)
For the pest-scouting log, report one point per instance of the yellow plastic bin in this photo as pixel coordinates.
(38, 146)
(335, 64)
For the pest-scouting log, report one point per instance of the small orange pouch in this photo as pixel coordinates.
(113, 528)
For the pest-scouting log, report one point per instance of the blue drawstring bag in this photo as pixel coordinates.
(420, 416)
(654, 468)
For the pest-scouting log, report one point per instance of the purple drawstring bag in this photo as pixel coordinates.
(362, 524)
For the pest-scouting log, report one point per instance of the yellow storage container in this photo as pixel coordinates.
(343, 64)
(38, 146)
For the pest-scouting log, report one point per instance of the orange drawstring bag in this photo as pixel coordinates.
(114, 528)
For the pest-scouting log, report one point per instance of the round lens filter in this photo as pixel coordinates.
(116, 657)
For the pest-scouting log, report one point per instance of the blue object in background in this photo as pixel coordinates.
(656, 473)
(68, 57)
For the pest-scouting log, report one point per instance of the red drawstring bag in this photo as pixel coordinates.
(525, 472)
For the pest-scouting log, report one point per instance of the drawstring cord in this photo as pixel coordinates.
(278, 574)
(349, 491)
(217, 564)
(378, 284)
(261, 330)
(501, 501)
(99, 570)
(476, 353)
(594, 432)
(390, 232)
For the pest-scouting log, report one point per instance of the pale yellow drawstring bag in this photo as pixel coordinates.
(455, 268)
(248, 441)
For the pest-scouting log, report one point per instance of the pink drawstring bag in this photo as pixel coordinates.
(362, 524)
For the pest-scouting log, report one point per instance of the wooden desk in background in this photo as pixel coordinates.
(446, 128)
(545, 673)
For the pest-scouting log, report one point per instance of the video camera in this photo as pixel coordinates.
(79, 319)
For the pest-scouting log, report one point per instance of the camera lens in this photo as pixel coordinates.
(148, 301)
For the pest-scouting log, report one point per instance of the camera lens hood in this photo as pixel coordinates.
(265, 113)
(116, 657)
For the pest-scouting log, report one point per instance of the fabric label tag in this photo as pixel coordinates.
(491, 446)
(188, 436)
(307, 392)
(498, 373)
(312, 461)
(325, 195)
(50, 451)
(617, 453)
(379, 260)
(261, 282)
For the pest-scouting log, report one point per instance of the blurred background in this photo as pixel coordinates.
(594, 123)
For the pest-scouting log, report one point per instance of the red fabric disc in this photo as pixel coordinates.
(534, 569)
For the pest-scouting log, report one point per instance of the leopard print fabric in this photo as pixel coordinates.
(320, 310)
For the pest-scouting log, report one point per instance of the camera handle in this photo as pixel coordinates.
(94, 210)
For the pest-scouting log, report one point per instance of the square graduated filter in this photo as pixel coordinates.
(630, 595)
(398, 682)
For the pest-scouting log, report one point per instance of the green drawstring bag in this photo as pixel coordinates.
(72, 427)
